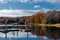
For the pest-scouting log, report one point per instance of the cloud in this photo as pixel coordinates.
(37, 6)
(23, 0)
(14, 0)
(17, 13)
(37, 1)
(3, 1)
(51, 1)
(44, 10)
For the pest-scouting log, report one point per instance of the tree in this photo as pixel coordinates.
(52, 17)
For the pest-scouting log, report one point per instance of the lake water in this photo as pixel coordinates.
(22, 36)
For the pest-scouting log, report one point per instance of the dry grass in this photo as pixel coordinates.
(56, 25)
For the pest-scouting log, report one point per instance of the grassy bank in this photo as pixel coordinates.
(56, 25)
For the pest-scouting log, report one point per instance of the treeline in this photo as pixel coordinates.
(35, 19)
(12, 20)
(50, 17)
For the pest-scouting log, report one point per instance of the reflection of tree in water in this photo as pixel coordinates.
(37, 30)
(53, 32)
(50, 32)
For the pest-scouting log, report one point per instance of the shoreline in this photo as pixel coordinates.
(56, 25)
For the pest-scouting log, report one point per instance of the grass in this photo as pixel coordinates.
(56, 25)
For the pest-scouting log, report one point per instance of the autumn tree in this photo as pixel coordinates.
(52, 17)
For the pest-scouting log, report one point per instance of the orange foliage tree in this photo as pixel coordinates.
(36, 18)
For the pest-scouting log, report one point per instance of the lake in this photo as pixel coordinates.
(23, 36)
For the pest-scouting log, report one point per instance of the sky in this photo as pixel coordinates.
(16, 8)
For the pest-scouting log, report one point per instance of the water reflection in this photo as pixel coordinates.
(47, 31)
(53, 32)
(20, 34)
(41, 32)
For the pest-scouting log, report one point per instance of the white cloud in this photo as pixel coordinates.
(37, 1)
(44, 10)
(17, 13)
(37, 6)
(51, 1)
(23, 0)
(3, 1)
